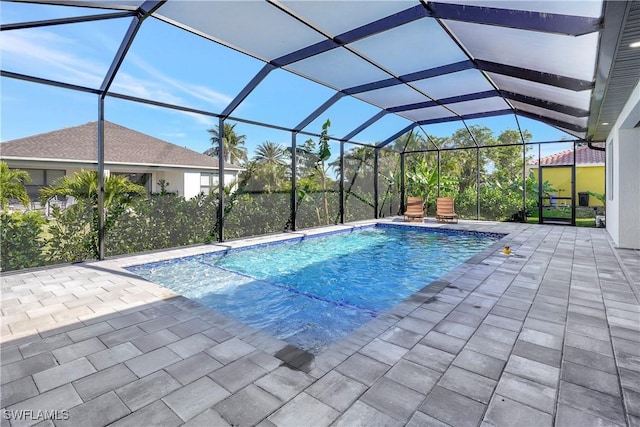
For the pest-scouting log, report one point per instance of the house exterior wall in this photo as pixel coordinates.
(191, 184)
(183, 182)
(174, 179)
(590, 178)
(623, 176)
(560, 180)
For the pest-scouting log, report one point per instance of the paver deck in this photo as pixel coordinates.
(547, 336)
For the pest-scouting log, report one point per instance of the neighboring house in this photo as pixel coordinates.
(144, 159)
(589, 172)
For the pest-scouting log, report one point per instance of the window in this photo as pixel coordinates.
(143, 179)
(208, 182)
(41, 178)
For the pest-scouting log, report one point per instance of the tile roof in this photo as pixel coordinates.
(584, 156)
(122, 145)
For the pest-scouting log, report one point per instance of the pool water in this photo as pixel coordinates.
(311, 292)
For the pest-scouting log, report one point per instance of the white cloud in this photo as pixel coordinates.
(212, 97)
(48, 55)
(45, 54)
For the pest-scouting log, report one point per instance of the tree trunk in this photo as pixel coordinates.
(324, 193)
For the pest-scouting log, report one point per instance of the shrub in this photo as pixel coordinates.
(20, 241)
(72, 234)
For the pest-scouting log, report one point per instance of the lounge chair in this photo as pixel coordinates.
(445, 211)
(415, 209)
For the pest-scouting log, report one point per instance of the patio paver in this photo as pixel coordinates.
(549, 335)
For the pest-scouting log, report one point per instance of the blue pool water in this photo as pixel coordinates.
(314, 291)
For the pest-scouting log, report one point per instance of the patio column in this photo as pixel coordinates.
(294, 183)
(524, 183)
(341, 182)
(376, 158)
(220, 180)
(402, 185)
(477, 183)
(438, 166)
(101, 233)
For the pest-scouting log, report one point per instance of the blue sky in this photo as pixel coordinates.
(170, 65)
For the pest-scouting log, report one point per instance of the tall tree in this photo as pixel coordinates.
(271, 161)
(410, 141)
(232, 144)
(12, 183)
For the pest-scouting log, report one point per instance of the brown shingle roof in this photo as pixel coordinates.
(122, 145)
(584, 156)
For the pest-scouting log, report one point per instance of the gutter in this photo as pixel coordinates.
(593, 147)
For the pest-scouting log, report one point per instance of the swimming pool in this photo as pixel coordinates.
(311, 292)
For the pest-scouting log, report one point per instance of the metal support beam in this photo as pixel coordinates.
(62, 21)
(101, 231)
(321, 109)
(445, 101)
(48, 82)
(367, 30)
(342, 176)
(535, 76)
(365, 125)
(540, 208)
(548, 105)
(524, 183)
(520, 19)
(396, 135)
(255, 81)
(294, 181)
(146, 9)
(402, 183)
(553, 122)
(466, 117)
(478, 184)
(573, 186)
(412, 77)
(438, 166)
(221, 200)
(376, 159)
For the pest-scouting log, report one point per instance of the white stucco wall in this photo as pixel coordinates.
(175, 179)
(191, 184)
(623, 176)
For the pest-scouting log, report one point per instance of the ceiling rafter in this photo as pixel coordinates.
(555, 80)
(69, 20)
(519, 19)
(525, 20)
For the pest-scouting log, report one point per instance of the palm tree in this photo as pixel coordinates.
(271, 159)
(83, 186)
(232, 144)
(410, 141)
(270, 153)
(12, 183)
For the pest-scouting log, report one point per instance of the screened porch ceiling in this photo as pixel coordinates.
(426, 62)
